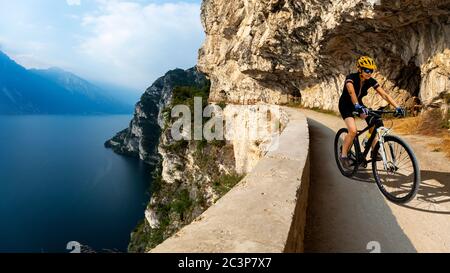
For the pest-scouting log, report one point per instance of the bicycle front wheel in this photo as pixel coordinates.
(399, 176)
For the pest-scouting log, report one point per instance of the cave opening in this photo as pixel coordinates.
(295, 96)
(409, 79)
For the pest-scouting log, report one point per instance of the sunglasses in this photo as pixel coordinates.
(368, 71)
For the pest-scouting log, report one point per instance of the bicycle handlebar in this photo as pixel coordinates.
(374, 112)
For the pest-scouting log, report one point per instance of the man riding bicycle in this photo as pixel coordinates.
(355, 88)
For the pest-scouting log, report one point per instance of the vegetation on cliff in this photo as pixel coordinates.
(200, 173)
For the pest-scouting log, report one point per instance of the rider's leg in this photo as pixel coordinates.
(351, 127)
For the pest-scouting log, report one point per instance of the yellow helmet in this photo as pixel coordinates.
(366, 62)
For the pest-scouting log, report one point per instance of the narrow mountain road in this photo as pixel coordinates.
(351, 214)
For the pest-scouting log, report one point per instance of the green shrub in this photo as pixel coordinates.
(222, 104)
(177, 146)
(181, 203)
(184, 95)
(226, 182)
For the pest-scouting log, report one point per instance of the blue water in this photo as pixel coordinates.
(58, 184)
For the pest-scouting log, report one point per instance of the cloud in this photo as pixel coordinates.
(30, 60)
(73, 2)
(137, 43)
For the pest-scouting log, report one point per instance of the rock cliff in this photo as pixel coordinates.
(191, 175)
(277, 51)
(140, 139)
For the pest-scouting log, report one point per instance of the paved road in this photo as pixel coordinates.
(346, 215)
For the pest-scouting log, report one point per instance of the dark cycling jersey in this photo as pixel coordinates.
(345, 102)
(361, 91)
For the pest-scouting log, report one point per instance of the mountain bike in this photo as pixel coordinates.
(394, 165)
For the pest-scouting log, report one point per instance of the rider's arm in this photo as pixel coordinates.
(386, 96)
(351, 91)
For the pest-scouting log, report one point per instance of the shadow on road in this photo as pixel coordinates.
(364, 175)
(434, 193)
(344, 214)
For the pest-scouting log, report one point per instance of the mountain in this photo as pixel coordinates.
(69, 81)
(104, 100)
(125, 94)
(51, 91)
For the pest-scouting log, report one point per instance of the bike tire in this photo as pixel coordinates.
(346, 172)
(415, 165)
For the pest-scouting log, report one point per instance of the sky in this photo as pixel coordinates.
(127, 43)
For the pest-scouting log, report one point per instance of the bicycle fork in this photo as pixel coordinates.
(382, 131)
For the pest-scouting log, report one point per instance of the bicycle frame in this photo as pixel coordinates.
(398, 187)
(361, 156)
(381, 131)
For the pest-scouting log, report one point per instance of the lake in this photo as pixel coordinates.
(58, 183)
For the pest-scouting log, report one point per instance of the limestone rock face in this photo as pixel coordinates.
(253, 130)
(141, 138)
(278, 50)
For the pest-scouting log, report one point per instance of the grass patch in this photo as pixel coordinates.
(177, 147)
(145, 238)
(225, 183)
(443, 146)
(320, 110)
(293, 104)
(138, 242)
(181, 203)
(324, 111)
(156, 178)
(222, 104)
(429, 123)
(184, 95)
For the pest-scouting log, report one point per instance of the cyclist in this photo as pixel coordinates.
(356, 86)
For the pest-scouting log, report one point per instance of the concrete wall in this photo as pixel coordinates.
(265, 212)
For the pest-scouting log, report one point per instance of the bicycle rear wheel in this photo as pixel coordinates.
(399, 180)
(352, 154)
